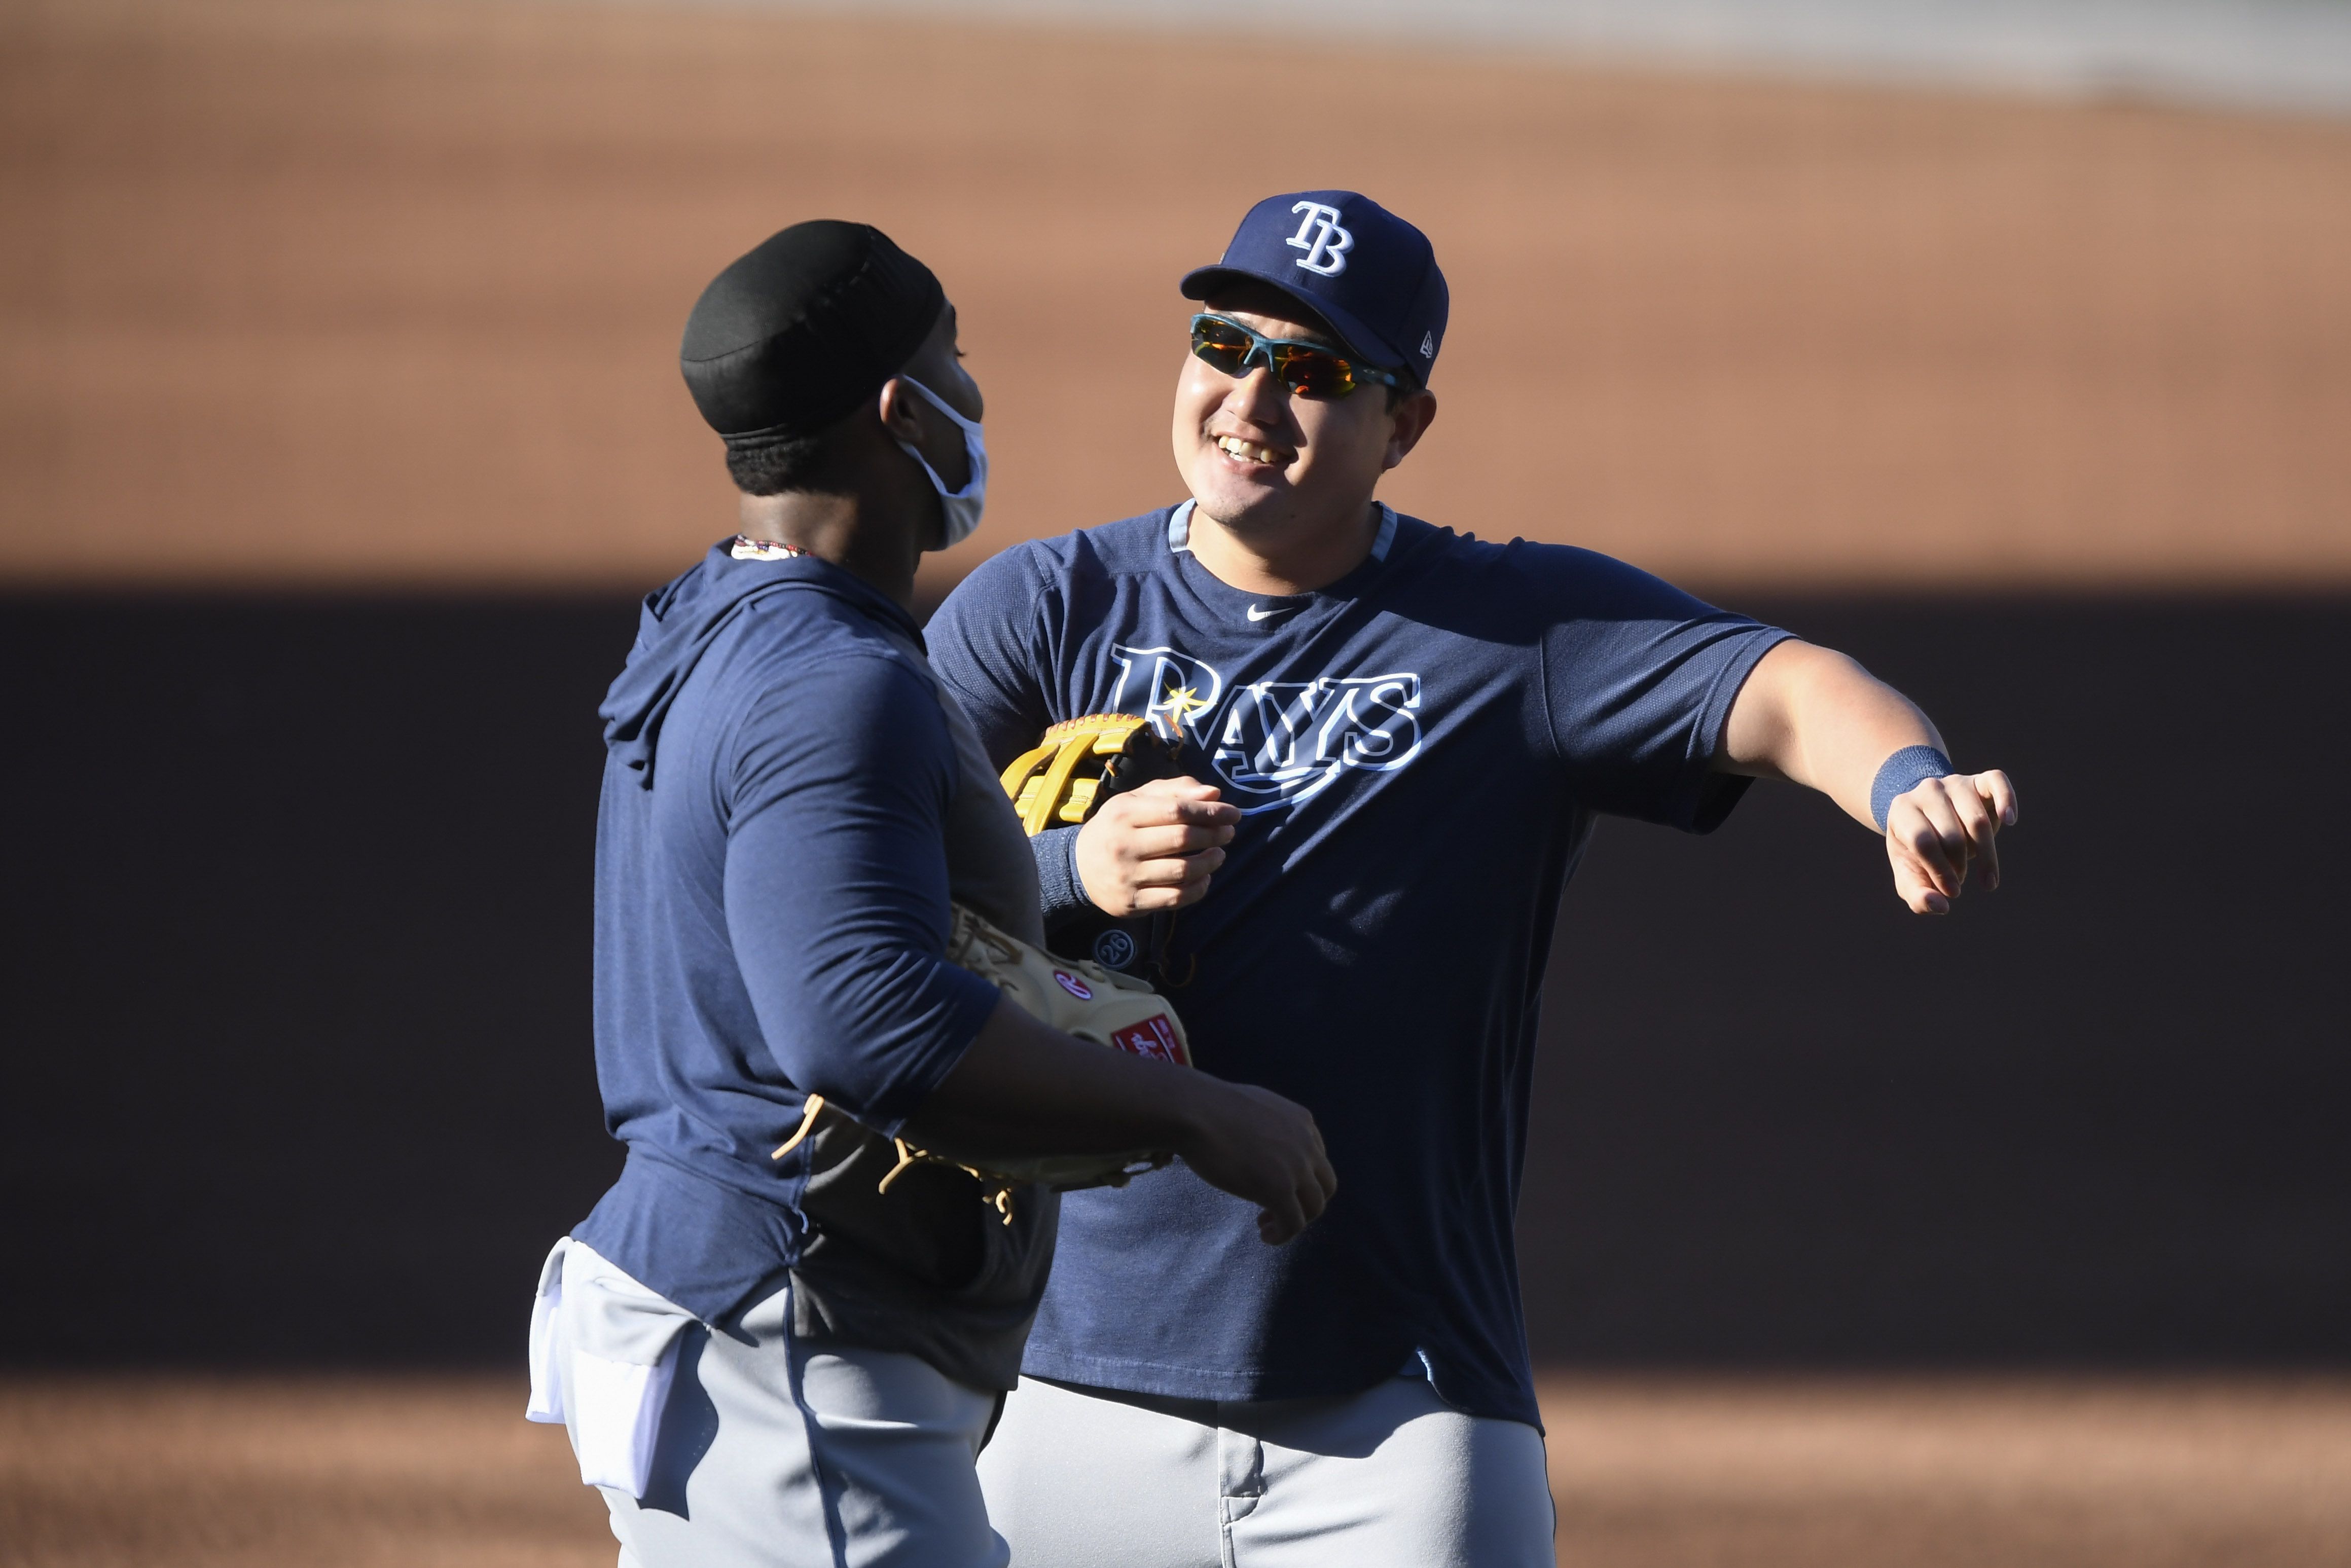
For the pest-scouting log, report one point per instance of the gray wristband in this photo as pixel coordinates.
(1903, 772)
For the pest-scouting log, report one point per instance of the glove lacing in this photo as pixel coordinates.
(993, 1189)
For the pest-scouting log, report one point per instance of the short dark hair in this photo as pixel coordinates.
(773, 464)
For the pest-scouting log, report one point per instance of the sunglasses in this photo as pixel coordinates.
(1308, 370)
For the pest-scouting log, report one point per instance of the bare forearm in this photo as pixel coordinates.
(1025, 1088)
(1814, 717)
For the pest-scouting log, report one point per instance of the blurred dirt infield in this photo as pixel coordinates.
(385, 292)
(1649, 1473)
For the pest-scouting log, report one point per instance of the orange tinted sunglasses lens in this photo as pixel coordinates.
(1222, 347)
(1310, 371)
(1305, 369)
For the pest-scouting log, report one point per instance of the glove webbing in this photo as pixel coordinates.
(1044, 783)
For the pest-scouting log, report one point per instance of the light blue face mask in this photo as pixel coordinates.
(962, 506)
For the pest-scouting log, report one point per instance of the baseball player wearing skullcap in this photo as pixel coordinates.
(779, 1338)
(1397, 740)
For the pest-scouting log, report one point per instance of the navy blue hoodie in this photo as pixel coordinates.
(788, 805)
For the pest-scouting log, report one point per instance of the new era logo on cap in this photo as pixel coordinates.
(1369, 275)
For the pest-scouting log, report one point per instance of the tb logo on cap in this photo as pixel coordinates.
(1326, 249)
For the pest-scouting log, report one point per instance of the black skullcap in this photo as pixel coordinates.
(792, 337)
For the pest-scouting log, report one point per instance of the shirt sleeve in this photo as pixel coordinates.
(987, 643)
(1638, 681)
(836, 887)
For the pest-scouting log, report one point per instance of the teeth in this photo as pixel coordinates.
(1246, 451)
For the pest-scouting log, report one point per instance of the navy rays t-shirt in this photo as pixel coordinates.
(1419, 750)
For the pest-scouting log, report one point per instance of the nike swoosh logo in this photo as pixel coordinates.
(1255, 613)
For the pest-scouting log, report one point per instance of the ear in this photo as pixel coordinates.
(900, 410)
(1407, 425)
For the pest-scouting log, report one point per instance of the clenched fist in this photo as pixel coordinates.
(1942, 829)
(1155, 848)
(1263, 1149)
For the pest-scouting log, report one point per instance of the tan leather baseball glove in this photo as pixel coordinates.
(1081, 998)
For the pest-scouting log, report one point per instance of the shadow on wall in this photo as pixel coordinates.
(294, 944)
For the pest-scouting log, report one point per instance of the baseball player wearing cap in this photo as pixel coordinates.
(762, 1358)
(1398, 738)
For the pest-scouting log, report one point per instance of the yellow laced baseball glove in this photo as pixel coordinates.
(1080, 763)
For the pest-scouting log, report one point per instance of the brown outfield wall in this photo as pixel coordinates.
(388, 293)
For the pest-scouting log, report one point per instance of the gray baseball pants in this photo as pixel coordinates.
(1392, 1477)
(752, 1450)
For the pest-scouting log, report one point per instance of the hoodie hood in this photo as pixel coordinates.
(680, 621)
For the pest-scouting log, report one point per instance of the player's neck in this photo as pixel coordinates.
(869, 538)
(1293, 555)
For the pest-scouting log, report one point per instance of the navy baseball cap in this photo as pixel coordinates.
(1352, 262)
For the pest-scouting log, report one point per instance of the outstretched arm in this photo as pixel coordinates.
(1815, 717)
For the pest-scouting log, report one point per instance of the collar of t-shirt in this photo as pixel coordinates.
(747, 549)
(1274, 609)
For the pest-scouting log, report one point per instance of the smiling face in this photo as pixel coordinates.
(1259, 458)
